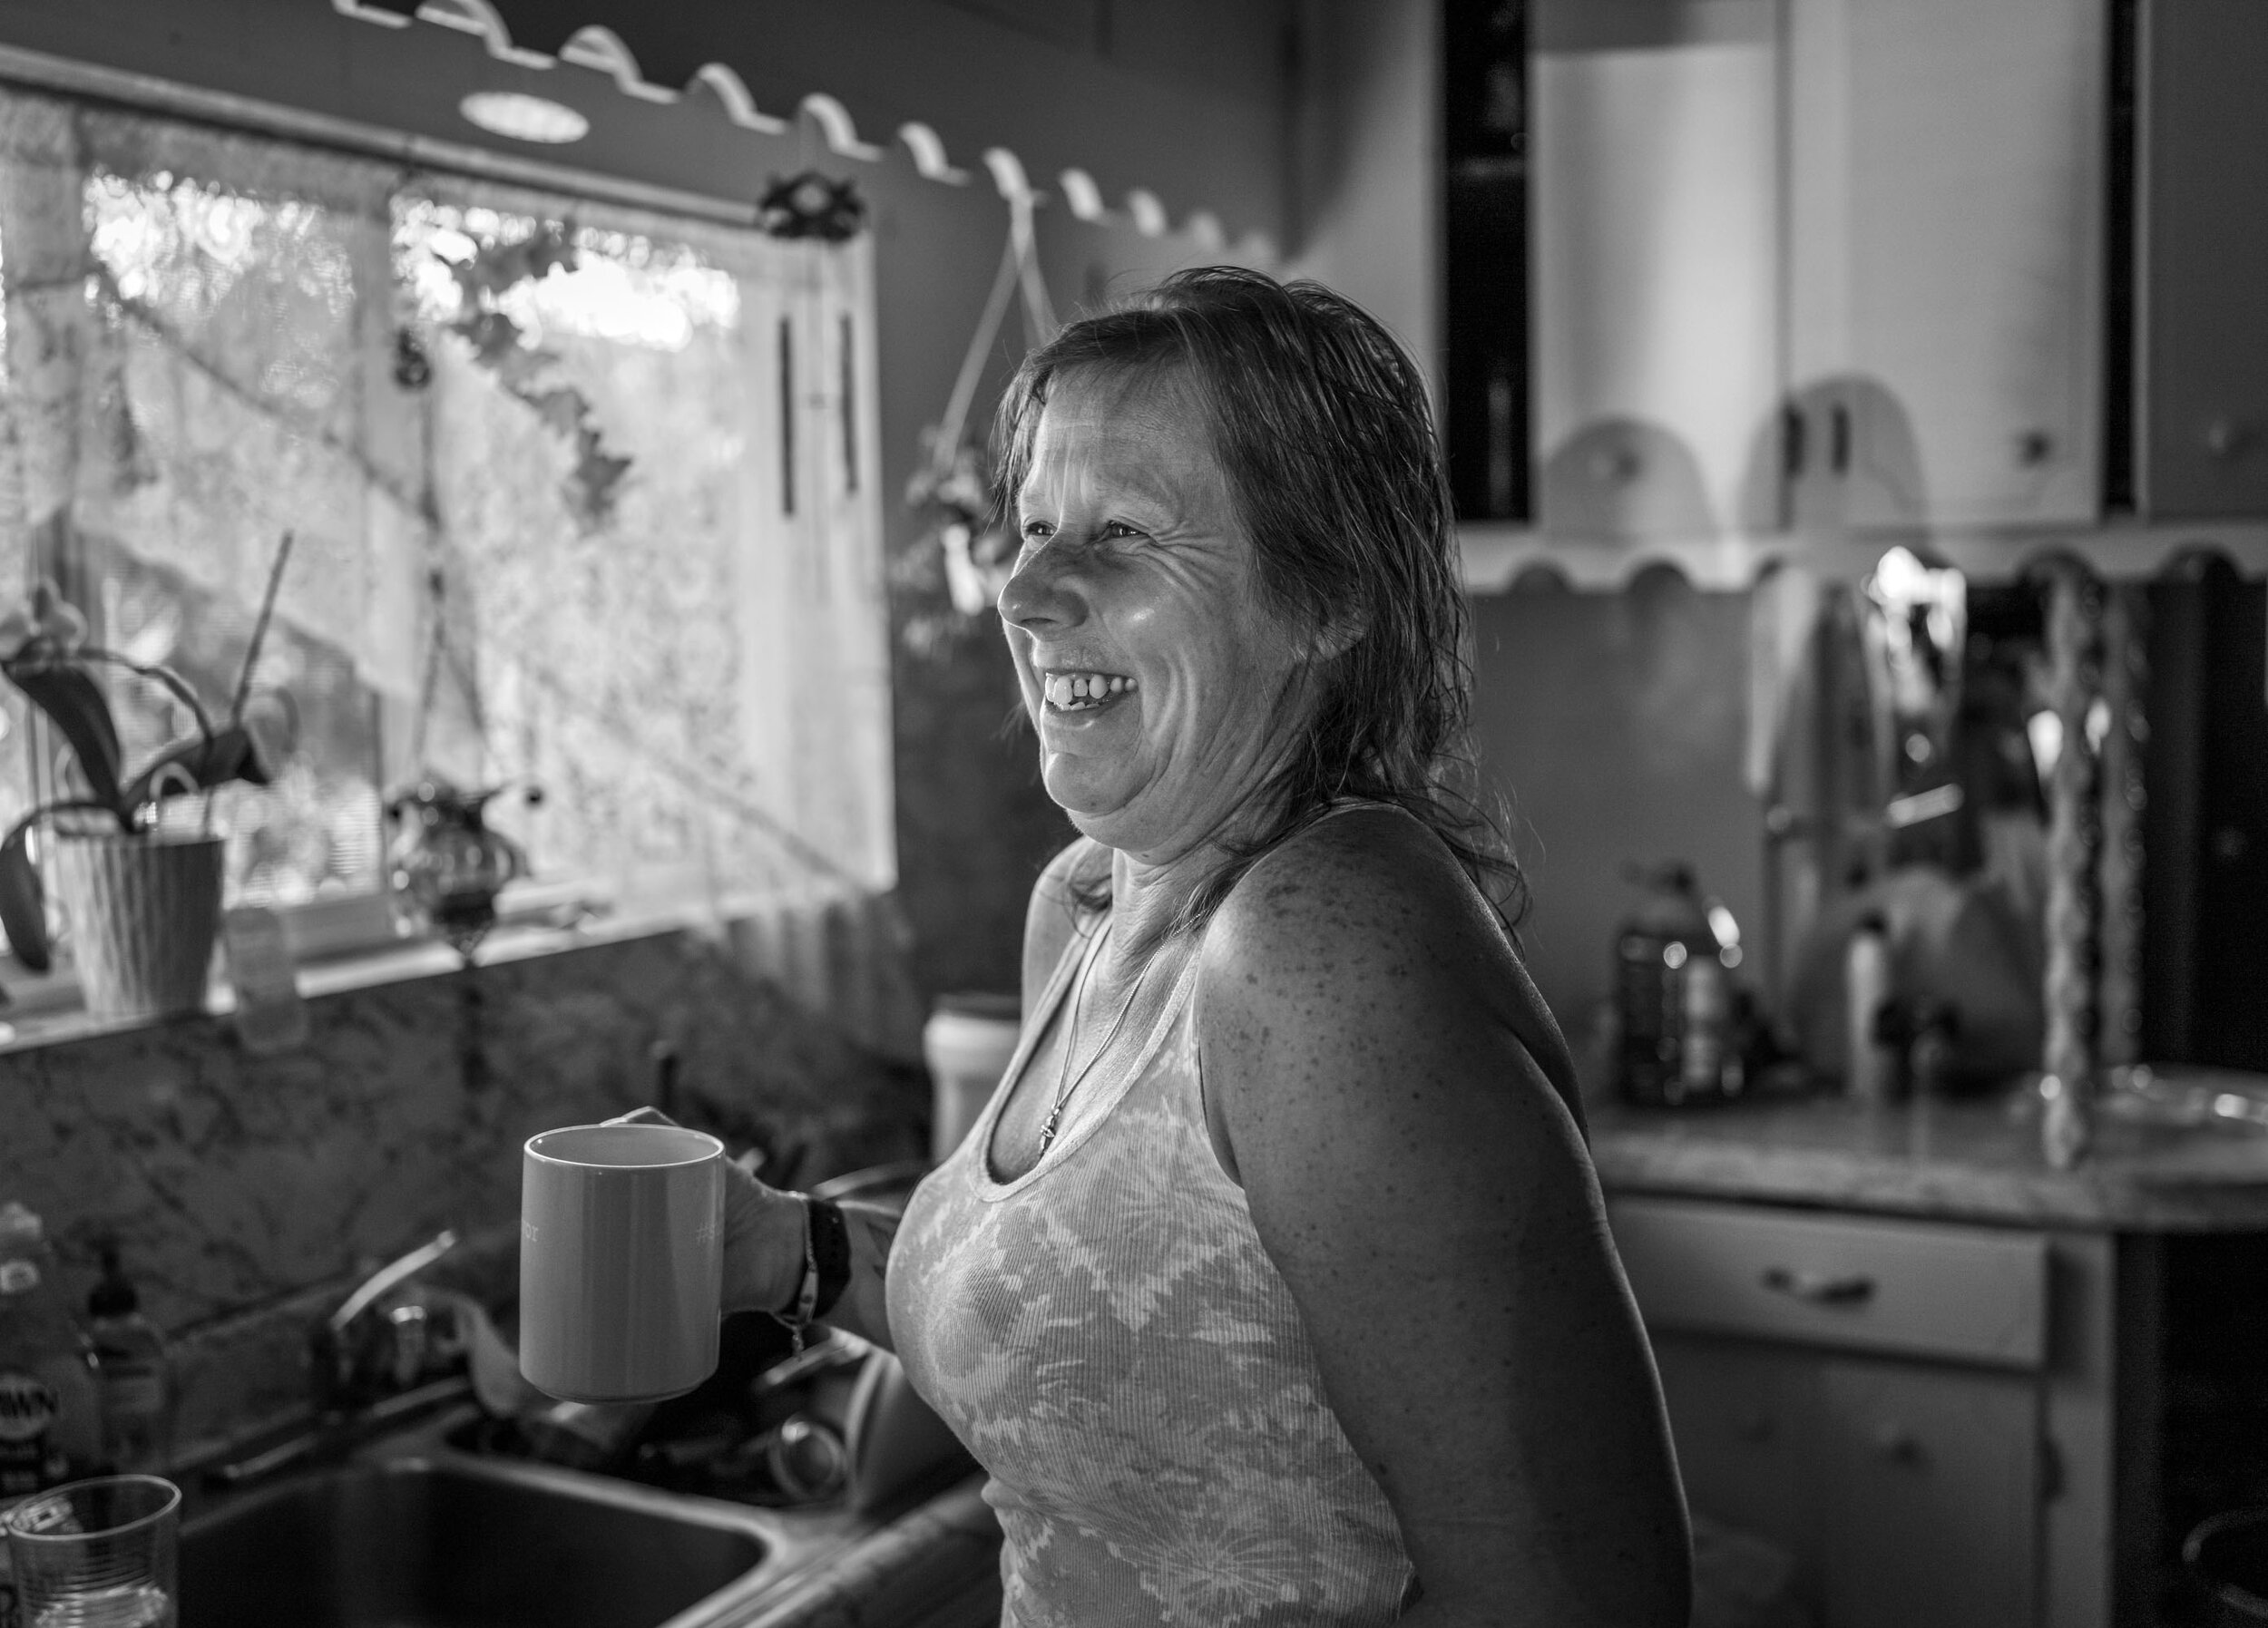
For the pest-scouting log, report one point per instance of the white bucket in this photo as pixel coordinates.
(967, 1043)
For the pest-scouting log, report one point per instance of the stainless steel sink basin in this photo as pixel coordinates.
(423, 1539)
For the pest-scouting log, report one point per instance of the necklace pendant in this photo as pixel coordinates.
(1047, 1127)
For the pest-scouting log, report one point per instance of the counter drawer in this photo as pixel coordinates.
(1908, 1287)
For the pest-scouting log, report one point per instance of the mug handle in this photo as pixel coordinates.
(749, 1159)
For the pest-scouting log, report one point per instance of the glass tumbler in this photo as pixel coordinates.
(96, 1553)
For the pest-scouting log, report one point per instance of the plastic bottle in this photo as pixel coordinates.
(50, 1419)
(134, 1373)
(1871, 1070)
(1931, 1051)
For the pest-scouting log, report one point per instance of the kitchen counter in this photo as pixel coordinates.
(1967, 1160)
(937, 1567)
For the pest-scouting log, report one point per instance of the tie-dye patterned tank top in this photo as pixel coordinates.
(1108, 1338)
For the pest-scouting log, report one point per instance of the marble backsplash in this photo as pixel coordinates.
(245, 1190)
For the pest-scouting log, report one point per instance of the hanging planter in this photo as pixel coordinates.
(447, 865)
(444, 866)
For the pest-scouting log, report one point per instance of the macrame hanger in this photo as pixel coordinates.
(948, 438)
(1019, 272)
(437, 652)
(1037, 310)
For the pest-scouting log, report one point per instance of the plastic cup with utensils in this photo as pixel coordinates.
(96, 1553)
(622, 1261)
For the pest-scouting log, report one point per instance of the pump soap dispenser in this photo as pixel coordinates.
(133, 1372)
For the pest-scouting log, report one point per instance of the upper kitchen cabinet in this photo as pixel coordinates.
(1833, 264)
(2201, 357)
(1656, 256)
(1945, 179)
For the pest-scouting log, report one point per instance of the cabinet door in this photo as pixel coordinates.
(1657, 255)
(2202, 359)
(1739, 1417)
(1945, 180)
(1928, 1482)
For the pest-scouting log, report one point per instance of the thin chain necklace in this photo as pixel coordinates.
(1066, 1082)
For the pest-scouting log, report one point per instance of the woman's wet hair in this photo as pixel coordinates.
(1322, 425)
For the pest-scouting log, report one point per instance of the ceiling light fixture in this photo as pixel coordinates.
(524, 118)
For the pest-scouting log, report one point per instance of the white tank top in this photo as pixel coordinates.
(1110, 1341)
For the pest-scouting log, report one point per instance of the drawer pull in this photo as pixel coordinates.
(1820, 1288)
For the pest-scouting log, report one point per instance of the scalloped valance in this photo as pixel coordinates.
(667, 51)
(1497, 558)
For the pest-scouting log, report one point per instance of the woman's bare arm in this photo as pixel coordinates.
(1427, 1197)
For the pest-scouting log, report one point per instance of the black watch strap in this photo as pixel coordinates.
(830, 1253)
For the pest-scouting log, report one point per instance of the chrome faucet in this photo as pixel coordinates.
(363, 1359)
(378, 1339)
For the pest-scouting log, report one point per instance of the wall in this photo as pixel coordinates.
(974, 826)
(1614, 724)
(1364, 214)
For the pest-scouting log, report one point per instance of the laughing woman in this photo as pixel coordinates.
(1274, 1285)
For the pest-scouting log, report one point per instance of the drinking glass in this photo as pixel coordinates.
(96, 1553)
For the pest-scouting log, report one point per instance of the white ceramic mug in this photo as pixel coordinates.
(622, 1261)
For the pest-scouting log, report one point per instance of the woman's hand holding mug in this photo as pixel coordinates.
(763, 1233)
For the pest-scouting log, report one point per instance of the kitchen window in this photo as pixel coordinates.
(576, 492)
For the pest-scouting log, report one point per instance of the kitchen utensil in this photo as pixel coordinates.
(582, 1435)
(622, 1261)
(502, 1390)
(2226, 1556)
(2225, 1098)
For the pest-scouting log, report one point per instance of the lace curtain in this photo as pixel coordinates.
(580, 495)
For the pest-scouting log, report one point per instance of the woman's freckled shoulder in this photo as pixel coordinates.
(1341, 895)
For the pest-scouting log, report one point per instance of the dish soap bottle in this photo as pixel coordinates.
(134, 1373)
(49, 1422)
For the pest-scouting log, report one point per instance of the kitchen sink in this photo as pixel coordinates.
(448, 1518)
(430, 1539)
